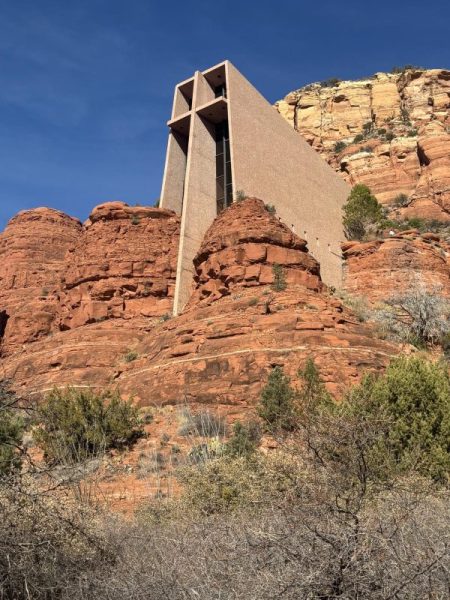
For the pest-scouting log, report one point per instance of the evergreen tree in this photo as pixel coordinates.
(313, 394)
(413, 398)
(361, 211)
(277, 407)
(245, 439)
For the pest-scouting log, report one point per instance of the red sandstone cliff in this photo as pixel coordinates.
(405, 121)
(56, 274)
(382, 268)
(32, 260)
(234, 329)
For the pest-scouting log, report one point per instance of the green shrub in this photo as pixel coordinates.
(358, 138)
(381, 131)
(270, 209)
(339, 146)
(131, 356)
(400, 200)
(279, 280)
(416, 223)
(413, 398)
(201, 453)
(245, 439)
(11, 431)
(135, 220)
(361, 211)
(277, 403)
(412, 133)
(390, 136)
(227, 484)
(367, 127)
(240, 195)
(331, 82)
(76, 424)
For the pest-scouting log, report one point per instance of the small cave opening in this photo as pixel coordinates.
(4, 317)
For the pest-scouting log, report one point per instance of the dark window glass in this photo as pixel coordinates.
(220, 186)
(220, 165)
(228, 172)
(224, 188)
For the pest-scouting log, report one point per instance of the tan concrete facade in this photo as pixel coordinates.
(269, 160)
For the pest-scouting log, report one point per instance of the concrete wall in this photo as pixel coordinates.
(199, 203)
(174, 173)
(273, 162)
(269, 160)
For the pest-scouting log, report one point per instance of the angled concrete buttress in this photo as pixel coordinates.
(225, 138)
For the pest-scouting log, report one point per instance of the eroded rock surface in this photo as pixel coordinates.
(123, 265)
(241, 249)
(386, 267)
(57, 274)
(237, 327)
(222, 347)
(32, 260)
(404, 120)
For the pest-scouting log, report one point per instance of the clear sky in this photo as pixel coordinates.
(86, 86)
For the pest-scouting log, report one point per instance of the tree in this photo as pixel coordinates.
(361, 211)
(76, 424)
(410, 404)
(313, 394)
(245, 439)
(277, 408)
(11, 430)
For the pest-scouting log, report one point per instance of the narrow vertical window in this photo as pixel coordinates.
(224, 185)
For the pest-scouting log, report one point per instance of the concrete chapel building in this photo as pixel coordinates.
(224, 138)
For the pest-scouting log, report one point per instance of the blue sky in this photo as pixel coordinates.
(86, 86)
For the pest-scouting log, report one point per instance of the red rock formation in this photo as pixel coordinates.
(57, 274)
(240, 250)
(123, 265)
(406, 148)
(382, 268)
(235, 328)
(221, 349)
(32, 259)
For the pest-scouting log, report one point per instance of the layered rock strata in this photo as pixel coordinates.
(237, 326)
(242, 249)
(222, 347)
(400, 123)
(57, 274)
(123, 266)
(33, 248)
(380, 269)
